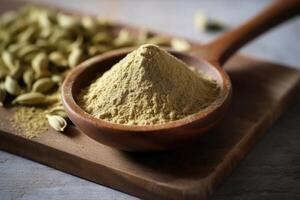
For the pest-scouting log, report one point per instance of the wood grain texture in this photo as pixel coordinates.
(262, 91)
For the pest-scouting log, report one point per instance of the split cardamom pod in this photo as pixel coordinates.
(57, 122)
(58, 110)
(43, 85)
(12, 86)
(31, 99)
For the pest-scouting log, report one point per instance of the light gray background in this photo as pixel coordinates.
(270, 171)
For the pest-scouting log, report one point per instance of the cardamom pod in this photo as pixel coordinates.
(58, 110)
(31, 99)
(27, 49)
(40, 65)
(57, 79)
(142, 37)
(97, 49)
(57, 122)
(25, 36)
(75, 57)
(3, 70)
(101, 37)
(16, 73)
(8, 60)
(159, 40)
(12, 86)
(66, 21)
(89, 23)
(180, 44)
(28, 77)
(124, 39)
(43, 85)
(58, 59)
(2, 94)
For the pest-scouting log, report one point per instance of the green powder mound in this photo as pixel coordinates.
(149, 86)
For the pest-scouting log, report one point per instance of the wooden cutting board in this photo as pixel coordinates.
(261, 92)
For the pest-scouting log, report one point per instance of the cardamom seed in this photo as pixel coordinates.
(57, 122)
(31, 99)
(58, 59)
(43, 85)
(75, 57)
(12, 86)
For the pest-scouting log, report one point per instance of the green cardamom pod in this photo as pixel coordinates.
(75, 57)
(97, 49)
(2, 94)
(27, 49)
(59, 110)
(28, 77)
(66, 21)
(58, 59)
(57, 79)
(12, 86)
(31, 99)
(101, 37)
(3, 70)
(57, 122)
(26, 35)
(16, 73)
(124, 39)
(89, 23)
(159, 40)
(180, 44)
(43, 85)
(8, 60)
(40, 65)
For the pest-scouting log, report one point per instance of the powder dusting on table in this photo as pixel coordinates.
(149, 86)
(30, 120)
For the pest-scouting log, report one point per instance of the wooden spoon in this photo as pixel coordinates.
(172, 134)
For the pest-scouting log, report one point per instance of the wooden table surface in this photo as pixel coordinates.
(270, 171)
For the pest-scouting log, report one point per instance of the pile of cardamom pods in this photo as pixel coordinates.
(38, 46)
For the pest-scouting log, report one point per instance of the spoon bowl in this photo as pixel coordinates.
(207, 58)
(150, 137)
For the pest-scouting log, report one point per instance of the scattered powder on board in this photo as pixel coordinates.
(149, 86)
(30, 120)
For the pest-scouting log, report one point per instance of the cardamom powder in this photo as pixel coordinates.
(31, 121)
(149, 86)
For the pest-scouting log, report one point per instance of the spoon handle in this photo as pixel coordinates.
(220, 50)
